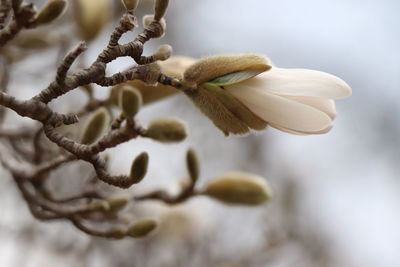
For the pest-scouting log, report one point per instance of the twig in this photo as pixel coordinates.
(20, 20)
(5, 8)
(115, 233)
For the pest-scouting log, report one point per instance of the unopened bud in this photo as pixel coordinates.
(166, 130)
(160, 7)
(130, 101)
(96, 126)
(101, 206)
(49, 12)
(113, 96)
(192, 164)
(91, 16)
(141, 228)
(163, 52)
(139, 167)
(157, 32)
(117, 203)
(239, 188)
(130, 4)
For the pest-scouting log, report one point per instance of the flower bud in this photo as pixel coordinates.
(212, 67)
(141, 228)
(166, 130)
(130, 101)
(50, 12)
(117, 203)
(130, 4)
(192, 164)
(96, 126)
(239, 188)
(101, 206)
(163, 52)
(160, 7)
(157, 33)
(139, 167)
(91, 16)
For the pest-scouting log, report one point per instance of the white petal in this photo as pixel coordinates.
(280, 110)
(301, 82)
(286, 130)
(325, 105)
(327, 129)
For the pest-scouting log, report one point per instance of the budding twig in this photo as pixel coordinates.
(20, 20)
(39, 161)
(67, 62)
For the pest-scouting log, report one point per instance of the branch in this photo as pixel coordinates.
(116, 233)
(96, 72)
(5, 8)
(68, 61)
(20, 20)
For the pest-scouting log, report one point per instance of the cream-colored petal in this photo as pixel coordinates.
(286, 130)
(327, 129)
(279, 110)
(325, 105)
(301, 82)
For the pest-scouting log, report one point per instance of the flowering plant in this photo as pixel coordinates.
(238, 93)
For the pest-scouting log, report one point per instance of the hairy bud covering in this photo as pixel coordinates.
(130, 101)
(95, 126)
(50, 12)
(142, 228)
(139, 167)
(166, 130)
(239, 188)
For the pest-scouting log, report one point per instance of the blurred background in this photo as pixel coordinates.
(337, 196)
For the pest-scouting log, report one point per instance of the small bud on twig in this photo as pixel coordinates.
(148, 19)
(130, 4)
(163, 52)
(91, 16)
(50, 12)
(117, 203)
(160, 7)
(139, 167)
(239, 188)
(130, 101)
(141, 228)
(96, 126)
(192, 164)
(166, 130)
(101, 206)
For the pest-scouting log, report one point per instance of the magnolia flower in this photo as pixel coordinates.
(243, 92)
(298, 101)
